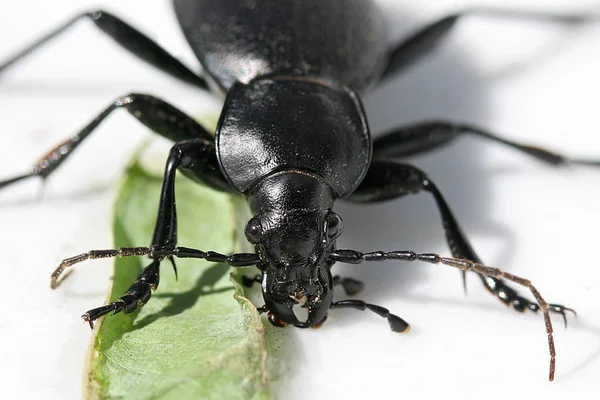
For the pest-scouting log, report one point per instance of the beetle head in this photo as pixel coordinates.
(293, 236)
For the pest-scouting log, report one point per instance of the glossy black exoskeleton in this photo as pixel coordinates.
(292, 138)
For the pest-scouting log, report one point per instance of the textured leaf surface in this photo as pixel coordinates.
(198, 337)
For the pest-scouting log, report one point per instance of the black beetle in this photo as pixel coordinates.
(292, 138)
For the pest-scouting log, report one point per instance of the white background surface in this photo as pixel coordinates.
(532, 82)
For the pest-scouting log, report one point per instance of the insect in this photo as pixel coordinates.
(293, 138)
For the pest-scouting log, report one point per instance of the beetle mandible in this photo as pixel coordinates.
(292, 138)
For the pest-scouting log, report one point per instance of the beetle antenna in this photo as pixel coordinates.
(356, 257)
(154, 252)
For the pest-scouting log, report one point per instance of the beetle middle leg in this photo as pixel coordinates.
(387, 179)
(422, 137)
(157, 115)
(194, 154)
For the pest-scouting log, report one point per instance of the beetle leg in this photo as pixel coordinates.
(356, 257)
(397, 324)
(129, 38)
(157, 115)
(138, 294)
(421, 137)
(387, 179)
(425, 40)
(188, 156)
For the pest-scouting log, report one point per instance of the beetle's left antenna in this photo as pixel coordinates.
(356, 257)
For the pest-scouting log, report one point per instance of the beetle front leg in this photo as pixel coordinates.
(186, 156)
(165, 237)
(387, 179)
(138, 294)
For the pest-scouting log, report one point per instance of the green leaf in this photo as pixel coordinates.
(198, 337)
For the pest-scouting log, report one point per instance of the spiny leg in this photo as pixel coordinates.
(356, 257)
(425, 40)
(195, 157)
(397, 324)
(183, 154)
(387, 179)
(157, 115)
(421, 137)
(139, 293)
(129, 38)
(141, 290)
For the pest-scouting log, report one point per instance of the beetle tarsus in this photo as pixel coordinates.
(511, 298)
(425, 40)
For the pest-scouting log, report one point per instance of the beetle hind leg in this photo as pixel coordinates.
(425, 40)
(126, 36)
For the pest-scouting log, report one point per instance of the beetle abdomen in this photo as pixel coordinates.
(239, 40)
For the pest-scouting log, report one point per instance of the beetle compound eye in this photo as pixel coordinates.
(335, 225)
(253, 230)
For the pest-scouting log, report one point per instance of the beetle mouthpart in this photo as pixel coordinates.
(300, 309)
